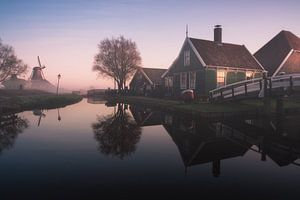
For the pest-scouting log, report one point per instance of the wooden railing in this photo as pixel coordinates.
(257, 87)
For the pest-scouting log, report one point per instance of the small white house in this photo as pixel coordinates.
(15, 83)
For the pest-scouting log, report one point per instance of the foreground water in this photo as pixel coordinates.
(91, 150)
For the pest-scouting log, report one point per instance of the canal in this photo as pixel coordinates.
(95, 149)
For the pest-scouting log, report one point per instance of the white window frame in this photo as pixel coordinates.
(169, 81)
(183, 83)
(218, 76)
(186, 58)
(192, 81)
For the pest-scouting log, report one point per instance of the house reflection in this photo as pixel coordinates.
(145, 116)
(118, 133)
(200, 141)
(277, 138)
(10, 127)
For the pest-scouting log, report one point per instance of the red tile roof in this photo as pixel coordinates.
(225, 54)
(273, 53)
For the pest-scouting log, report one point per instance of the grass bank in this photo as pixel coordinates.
(203, 109)
(16, 101)
(206, 109)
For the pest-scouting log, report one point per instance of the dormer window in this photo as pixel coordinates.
(186, 58)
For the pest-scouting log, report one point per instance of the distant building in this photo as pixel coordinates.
(146, 79)
(281, 55)
(95, 92)
(76, 92)
(203, 65)
(15, 83)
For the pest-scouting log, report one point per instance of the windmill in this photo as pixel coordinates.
(37, 72)
(37, 78)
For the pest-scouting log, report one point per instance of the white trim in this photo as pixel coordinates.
(255, 59)
(196, 52)
(233, 68)
(166, 72)
(283, 62)
(141, 70)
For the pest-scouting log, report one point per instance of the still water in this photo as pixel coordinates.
(92, 150)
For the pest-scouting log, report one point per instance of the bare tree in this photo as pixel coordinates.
(118, 58)
(9, 63)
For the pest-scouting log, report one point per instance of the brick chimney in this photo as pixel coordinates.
(218, 34)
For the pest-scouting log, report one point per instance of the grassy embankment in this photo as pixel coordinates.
(207, 109)
(12, 101)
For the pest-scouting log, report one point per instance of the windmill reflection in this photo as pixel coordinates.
(40, 114)
(58, 115)
(10, 127)
(118, 133)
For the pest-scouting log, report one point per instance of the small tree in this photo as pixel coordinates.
(9, 63)
(118, 58)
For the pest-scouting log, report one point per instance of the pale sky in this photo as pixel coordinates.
(65, 33)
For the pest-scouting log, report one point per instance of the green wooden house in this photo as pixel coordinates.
(147, 79)
(203, 65)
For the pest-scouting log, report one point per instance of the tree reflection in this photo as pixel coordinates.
(118, 133)
(10, 127)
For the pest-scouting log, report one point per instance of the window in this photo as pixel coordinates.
(186, 58)
(220, 78)
(169, 81)
(192, 80)
(249, 75)
(183, 80)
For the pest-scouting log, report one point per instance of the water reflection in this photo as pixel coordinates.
(10, 127)
(277, 138)
(96, 100)
(40, 114)
(201, 141)
(118, 133)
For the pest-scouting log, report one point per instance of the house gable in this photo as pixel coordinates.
(147, 76)
(139, 79)
(277, 51)
(196, 62)
(292, 64)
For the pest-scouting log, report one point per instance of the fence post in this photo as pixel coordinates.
(270, 86)
(265, 78)
(260, 84)
(291, 84)
(232, 91)
(246, 91)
